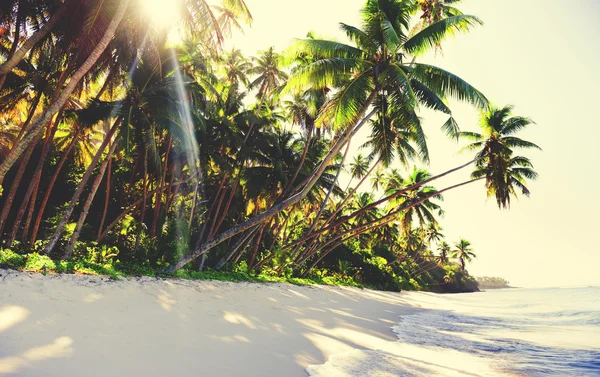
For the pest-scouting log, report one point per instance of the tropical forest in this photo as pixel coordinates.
(125, 151)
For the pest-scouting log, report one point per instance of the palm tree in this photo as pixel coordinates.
(270, 76)
(445, 251)
(358, 168)
(505, 174)
(463, 252)
(419, 201)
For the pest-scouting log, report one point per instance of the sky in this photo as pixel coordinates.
(540, 57)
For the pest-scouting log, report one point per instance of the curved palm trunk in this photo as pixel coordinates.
(355, 232)
(86, 176)
(277, 208)
(37, 127)
(312, 246)
(380, 201)
(59, 166)
(324, 204)
(88, 203)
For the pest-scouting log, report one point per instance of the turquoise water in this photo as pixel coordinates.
(525, 332)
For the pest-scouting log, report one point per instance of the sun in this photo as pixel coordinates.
(163, 14)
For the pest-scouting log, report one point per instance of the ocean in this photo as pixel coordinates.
(507, 332)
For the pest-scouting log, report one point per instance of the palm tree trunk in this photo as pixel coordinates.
(37, 127)
(88, 203)
(325, 201)
(257, 245)
(242, 241)
(285, 191)
(341, 205)
(354, 232)
(130, 209)
(146, 182)
(59, 166)
(32, 109)
(32, 190)
(106, 197)
(277, 208)
(86, 176)
(158, 200)
(231, 196)
(14, 187)
(311, 246)
(210, 211)
(15, 42)
(375, 204)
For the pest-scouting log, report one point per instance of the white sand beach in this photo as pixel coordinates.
(70, 325)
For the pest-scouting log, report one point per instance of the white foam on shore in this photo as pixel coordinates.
(410, 358)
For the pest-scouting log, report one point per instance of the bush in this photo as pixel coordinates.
(10, 259)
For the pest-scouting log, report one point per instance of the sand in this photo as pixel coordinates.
(72, 325)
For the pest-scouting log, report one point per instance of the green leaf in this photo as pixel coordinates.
(435, 33)
(446, 84)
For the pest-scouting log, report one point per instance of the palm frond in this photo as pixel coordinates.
(435, 33)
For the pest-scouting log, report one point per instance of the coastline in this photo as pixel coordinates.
(73, 325)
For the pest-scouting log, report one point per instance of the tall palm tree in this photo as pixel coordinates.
(505, 173)
(445, 251)
(463, 252)
(270, 76)
(358, 168)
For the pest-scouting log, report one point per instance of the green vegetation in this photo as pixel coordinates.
(486, 282)
(123, 154)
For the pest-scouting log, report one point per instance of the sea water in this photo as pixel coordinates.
(508, 332)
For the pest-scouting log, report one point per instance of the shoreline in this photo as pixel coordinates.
(69, 325)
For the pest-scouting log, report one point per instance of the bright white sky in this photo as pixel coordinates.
(541, 57)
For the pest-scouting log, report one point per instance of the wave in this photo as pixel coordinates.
(509, 334)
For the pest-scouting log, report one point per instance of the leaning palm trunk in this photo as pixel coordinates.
(311, 247)
(277, 208)
(15, 42)
(377, 223)
(380, 201)
(325, 201)
(14, 187)
(32, 190)
(37, 127)
(86, 176)
(241, 242)
(39, 217)
(88, 203)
